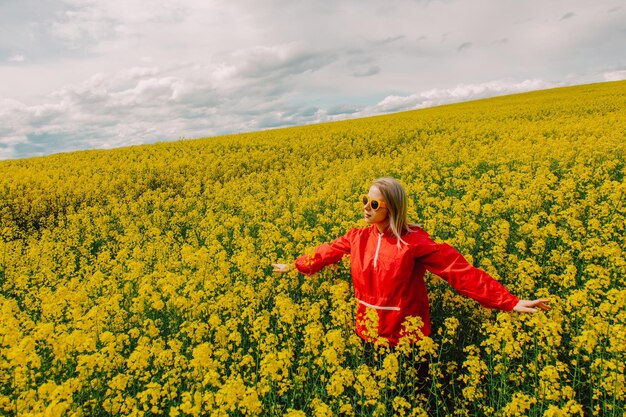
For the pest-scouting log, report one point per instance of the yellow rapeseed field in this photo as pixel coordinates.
(138, 281)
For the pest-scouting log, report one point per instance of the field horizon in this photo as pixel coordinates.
(465, 102)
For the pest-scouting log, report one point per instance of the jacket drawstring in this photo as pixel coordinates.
(380, 237)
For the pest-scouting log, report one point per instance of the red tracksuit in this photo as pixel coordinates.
(391, 279)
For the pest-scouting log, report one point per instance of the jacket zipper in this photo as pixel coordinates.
(380, 237)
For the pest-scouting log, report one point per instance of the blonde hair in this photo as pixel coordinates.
(397, 205)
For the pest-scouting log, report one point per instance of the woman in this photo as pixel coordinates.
(388, 260)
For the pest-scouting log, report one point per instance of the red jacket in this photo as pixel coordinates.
(391, 279)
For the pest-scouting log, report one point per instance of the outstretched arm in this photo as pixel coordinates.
(445, 261)
(475, 283)
(326, 254)
(448, 263)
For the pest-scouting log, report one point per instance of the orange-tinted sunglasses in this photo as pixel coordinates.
(374, 203)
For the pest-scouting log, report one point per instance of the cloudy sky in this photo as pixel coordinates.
(86, 74)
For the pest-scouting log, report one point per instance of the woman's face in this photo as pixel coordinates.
(379, 216)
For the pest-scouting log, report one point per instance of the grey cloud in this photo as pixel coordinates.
(82, 26)
(568, 15)
(299, 111)
(392, 39)
(614, 9)
(306, 112)
(464, 46)
(279, 62)
(199, 95)
(19, 11)
(168, 12)
(307, 62)
(373, 70)
(357, 56)
(25, 29)
(88, 24)
(342, 109)
(274, 121)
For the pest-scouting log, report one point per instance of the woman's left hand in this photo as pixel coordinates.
(281, 268)
(528, 306)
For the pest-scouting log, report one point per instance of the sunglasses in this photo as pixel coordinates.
(374, 204)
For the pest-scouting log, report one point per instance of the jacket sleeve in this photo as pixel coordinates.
(326, 254)
(445, 261)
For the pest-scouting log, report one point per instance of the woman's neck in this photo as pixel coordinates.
(382, 227)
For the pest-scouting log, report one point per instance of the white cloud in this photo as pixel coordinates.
(78, 27)
(461, 92)
(7, 153)
(17, 58)
(148, 92)
(10, 140)
(615, 75)
(13, 128)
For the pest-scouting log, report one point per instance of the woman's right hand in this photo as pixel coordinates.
(531, 306)
(282, 268)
